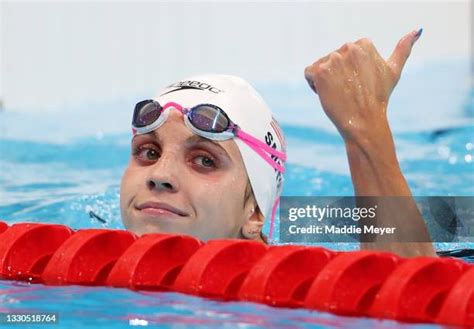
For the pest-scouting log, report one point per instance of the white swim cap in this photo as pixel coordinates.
(246, 108)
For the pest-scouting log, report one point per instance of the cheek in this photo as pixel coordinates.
(128, 187)
(222, 201)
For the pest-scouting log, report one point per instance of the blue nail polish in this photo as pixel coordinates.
(418, 34)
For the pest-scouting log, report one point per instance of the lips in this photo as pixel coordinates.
(154, 207)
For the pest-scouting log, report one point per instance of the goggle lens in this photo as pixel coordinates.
(146, 112)
(209, 118)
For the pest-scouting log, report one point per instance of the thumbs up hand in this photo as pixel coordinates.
(354, 84)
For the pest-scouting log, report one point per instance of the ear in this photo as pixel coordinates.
(253, 225)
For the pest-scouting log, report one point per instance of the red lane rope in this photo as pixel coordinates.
(358, 283)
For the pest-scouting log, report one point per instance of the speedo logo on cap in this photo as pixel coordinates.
(192, 84)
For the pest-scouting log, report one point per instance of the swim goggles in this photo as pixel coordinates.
(206, 120)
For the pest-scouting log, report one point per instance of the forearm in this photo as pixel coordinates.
(375, 172)
(374, 166)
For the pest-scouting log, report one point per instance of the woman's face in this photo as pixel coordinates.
(178, 182)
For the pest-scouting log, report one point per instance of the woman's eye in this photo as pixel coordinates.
(205, 161)
(146, 154)
(151, 154)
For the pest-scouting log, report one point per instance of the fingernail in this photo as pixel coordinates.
(418, 34)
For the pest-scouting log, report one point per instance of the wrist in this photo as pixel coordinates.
(375, 154)
(372, 138)
(373, 163)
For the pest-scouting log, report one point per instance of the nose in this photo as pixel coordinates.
(164, 174)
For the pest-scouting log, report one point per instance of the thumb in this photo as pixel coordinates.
(402, 51)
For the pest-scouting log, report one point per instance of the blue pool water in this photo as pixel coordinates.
(57, 166)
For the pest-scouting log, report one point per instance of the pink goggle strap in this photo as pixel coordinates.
(272, 220)
(262, 149)
(173, 104)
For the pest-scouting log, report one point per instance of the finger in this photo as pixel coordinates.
(308, 71)
(343, 49)
(321, 60)
(366, 46)
(309, 78)
(402, 51)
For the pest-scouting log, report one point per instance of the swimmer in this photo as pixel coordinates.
(208, 157)
(207, 160)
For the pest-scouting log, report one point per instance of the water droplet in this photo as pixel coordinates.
(137, 322)
(453, 159)
(444, 151)
(468, 158)
(469, 146)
